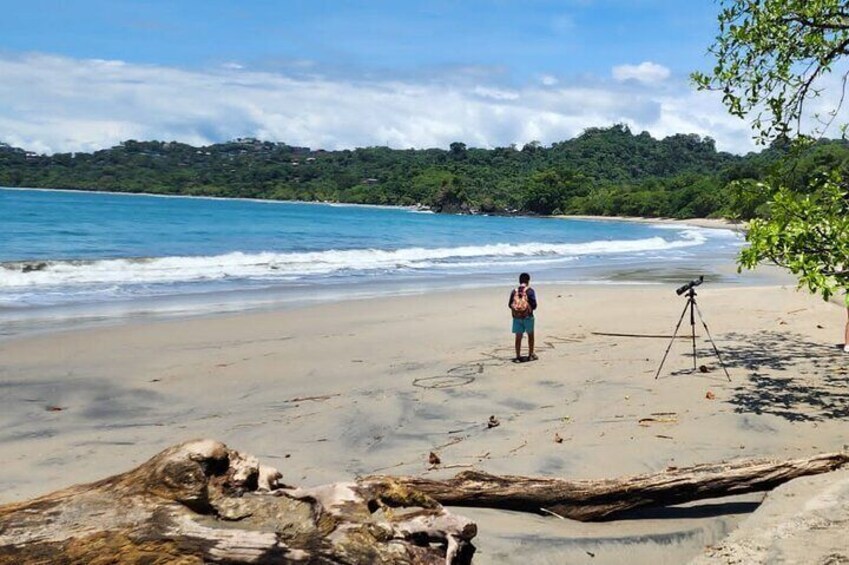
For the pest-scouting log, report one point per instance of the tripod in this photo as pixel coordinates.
(694, 308)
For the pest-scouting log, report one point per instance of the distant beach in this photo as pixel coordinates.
(711, 223)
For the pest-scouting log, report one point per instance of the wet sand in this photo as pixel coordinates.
(333, 391)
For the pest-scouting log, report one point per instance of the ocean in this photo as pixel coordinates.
(69, 257)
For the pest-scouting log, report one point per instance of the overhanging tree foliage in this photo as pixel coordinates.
(771, 58)
(807, 234)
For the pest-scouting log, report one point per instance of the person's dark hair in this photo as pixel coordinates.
(524, 278)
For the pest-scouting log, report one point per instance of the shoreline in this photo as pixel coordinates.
(227, 198)
(324, 395)
(709, 223)
(48, 320)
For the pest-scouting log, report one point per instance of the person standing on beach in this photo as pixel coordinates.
(522, 303)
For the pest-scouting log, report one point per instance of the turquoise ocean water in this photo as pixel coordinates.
(80, 255)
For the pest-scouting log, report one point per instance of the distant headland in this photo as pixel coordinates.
(604, 172)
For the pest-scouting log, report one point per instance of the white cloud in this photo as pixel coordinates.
(548, 80)
(646, 72)
(51, 104)
(495, 93)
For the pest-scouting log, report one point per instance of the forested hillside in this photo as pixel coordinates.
(604, 171)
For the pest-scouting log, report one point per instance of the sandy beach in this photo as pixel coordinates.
(332, 391)
(710, 223)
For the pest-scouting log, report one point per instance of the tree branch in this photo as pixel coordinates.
(599, 499)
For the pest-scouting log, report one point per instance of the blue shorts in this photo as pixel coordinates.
(523, 325)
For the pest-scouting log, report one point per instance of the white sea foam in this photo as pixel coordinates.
(291, 266)
(717, 232)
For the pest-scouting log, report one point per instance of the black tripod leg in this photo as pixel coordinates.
(692, 303)
(715, 350)
(671, 341)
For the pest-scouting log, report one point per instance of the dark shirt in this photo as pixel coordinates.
(532, 299)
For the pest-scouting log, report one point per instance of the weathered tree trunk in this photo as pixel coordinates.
(589, 500)
(200, 502)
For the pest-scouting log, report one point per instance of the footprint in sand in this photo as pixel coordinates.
(465, 374)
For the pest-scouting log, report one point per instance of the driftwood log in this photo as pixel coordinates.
(201, 502)
(588, 500)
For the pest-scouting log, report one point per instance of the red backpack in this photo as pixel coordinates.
(520, 306)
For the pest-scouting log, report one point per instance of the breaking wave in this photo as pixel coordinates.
(272, 266)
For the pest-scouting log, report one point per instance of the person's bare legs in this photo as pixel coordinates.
(531, 345)
(519, 346)
(846, 333)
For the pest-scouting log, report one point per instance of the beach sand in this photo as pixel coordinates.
(333, 391)
(710, 223)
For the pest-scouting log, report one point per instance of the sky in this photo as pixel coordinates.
(88, 74)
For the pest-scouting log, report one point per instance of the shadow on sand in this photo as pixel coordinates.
(701, 509)
(816, 385)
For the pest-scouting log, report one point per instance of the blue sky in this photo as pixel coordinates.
(86, 74)
(519, 39)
